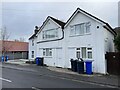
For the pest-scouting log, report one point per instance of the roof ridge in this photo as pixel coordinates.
(56, 19)
(61, 23)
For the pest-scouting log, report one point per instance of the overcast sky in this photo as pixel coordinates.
(20, 18)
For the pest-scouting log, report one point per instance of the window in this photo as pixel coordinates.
(89, 53)
(77, 29)
(43, 36)
(80, 29)
(77, 52)
(44, 52)
(50, 52)
(32, 42)
(32, 54)
(47, 52)
(48, 34)
(72, 31)
(88, 27)
(83, 52)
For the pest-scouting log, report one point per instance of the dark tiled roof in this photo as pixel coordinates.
(58, 22)
(34, 35)
(117, 29)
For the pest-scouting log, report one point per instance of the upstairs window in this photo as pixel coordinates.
(48, 34)
(88, 27)
(32, 42)
(32, 54)
(80, 29)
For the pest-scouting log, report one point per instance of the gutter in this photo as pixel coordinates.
(54, 39)
(110, 30)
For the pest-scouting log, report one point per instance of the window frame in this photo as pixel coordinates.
(32, 54)
(45, 32)
(87, 49)
(73, 29)
(47, 52)
(87, 24)
(85, 52)
(32, 42)
(78, 50)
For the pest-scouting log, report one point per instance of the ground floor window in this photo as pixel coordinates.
(84, 52)
(78, 52)
(89, 53)
(32, 54)
(47, 52)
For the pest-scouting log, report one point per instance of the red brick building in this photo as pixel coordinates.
(14, 49)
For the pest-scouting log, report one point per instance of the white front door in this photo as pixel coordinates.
(59, 58)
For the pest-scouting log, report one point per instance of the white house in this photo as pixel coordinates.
(82, 36)
(33, 45)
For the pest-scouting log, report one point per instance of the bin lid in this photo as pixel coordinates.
(88, 60)
(79, 61)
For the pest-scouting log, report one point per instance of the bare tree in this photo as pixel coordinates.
(21, 39)
(4, 34)
(4, 37)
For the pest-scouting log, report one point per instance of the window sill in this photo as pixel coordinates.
(47, 56)
(80, 35)
(50, 39)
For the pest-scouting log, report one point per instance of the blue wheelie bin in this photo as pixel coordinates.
(39, 61)
(2, 58)
(6, 58)
(88, 67)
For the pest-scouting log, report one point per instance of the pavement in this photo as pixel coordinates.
(18, 61)
(110, 80)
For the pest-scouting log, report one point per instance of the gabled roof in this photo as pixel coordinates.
(117, 30)
(80, 10)
(58, 22)
(33, 36)
(61, 23)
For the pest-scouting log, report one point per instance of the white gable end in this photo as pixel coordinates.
(50, 25)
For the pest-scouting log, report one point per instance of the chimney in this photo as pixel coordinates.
(36, 29)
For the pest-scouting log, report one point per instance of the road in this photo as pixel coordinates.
(15, 78)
